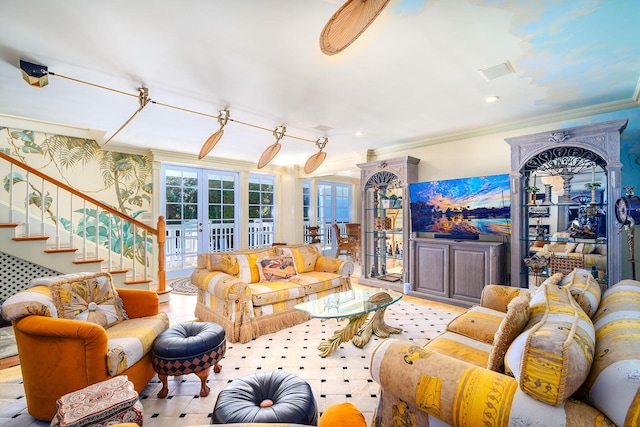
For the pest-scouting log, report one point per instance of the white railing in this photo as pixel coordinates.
(42, 207)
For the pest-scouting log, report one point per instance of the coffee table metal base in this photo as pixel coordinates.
(358, 334)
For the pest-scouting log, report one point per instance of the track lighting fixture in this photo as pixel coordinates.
(316, 160)
(211, 142)
(41, 73)
(143, 100)
(273, 149)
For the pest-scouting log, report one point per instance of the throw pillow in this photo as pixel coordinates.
(553, 356)
(342, 414)
(584, 289)
(275, 269)
(33, 301)
(89, 297)
(512, 325)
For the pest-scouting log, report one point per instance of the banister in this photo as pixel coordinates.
(77, 193)
(160, 232)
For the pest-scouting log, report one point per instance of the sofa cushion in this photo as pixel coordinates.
(130, 341)
(511, 326)
(278, 268)
(92, 298)
(32, 301)
(461, 347)
(264, 293)
(479, 323)
(305, 256)
(317, 281)
(584, 289)
(613, 384)
(552, 357)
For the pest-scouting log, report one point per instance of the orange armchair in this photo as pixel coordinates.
(58, 356)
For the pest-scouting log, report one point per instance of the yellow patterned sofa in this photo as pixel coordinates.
(76, 330)
(252, 292)
(559, 357)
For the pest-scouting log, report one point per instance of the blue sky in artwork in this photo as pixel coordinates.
(484, 191)
(409, 7)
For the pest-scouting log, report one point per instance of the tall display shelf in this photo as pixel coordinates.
(564, 185)
(386, 221)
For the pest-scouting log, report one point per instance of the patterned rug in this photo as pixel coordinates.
(183, 286)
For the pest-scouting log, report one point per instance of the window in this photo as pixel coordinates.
(306, 209)
(261, 207)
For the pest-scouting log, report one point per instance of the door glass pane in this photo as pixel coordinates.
(261, 208)
(222, 228)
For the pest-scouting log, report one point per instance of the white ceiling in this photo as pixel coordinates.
(412, 76)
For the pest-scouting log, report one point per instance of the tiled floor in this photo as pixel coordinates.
(342, 376)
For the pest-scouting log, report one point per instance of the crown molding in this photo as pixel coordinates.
(519, 124)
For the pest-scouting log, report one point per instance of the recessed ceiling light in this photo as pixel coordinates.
(490, 99)
(359, 133)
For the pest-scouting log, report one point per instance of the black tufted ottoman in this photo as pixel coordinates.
(189, 348)
(267, 397)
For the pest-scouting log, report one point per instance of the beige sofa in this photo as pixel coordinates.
(561, 356)
(253, 292)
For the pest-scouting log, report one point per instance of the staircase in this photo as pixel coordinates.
(58, 231)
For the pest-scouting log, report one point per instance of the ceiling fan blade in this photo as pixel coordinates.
(269, 154)
(210, 143)
(348, 23)
(314, 162)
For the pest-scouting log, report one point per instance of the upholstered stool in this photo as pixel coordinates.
(189, 348)
(267, 397)
(101, 404)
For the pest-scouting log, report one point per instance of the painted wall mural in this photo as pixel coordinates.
(120, 180)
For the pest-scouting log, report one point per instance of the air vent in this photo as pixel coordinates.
(500, 70)
(323, 128)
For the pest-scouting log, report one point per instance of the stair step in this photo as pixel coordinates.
(118, 271)
(30, 238)
(55, 251)
(88, 261)
(8, 225)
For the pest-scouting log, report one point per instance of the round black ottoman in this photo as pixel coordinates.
(267, 397)
(189, 348)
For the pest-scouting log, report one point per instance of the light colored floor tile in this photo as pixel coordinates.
(341, 377)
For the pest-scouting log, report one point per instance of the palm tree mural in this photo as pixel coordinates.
(126, 176)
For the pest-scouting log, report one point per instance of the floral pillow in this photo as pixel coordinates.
(276, 269)
(90, 297)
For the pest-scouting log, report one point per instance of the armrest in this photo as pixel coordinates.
(60, 351)
(222, 285)
(497, 297)
(430, 385)
(342, 267)
(139, 302)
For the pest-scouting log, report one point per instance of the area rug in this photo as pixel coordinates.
(183, 286)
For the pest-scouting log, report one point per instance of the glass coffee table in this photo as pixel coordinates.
(355, 305)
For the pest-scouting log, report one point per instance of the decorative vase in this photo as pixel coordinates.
(547, 195)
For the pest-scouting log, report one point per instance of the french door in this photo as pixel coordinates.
(200, 211)
(334, 206)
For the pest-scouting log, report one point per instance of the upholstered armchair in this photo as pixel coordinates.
(59, 355)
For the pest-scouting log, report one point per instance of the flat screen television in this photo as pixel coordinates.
(461, 208)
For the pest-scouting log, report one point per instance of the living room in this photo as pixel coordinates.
(549, 84)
